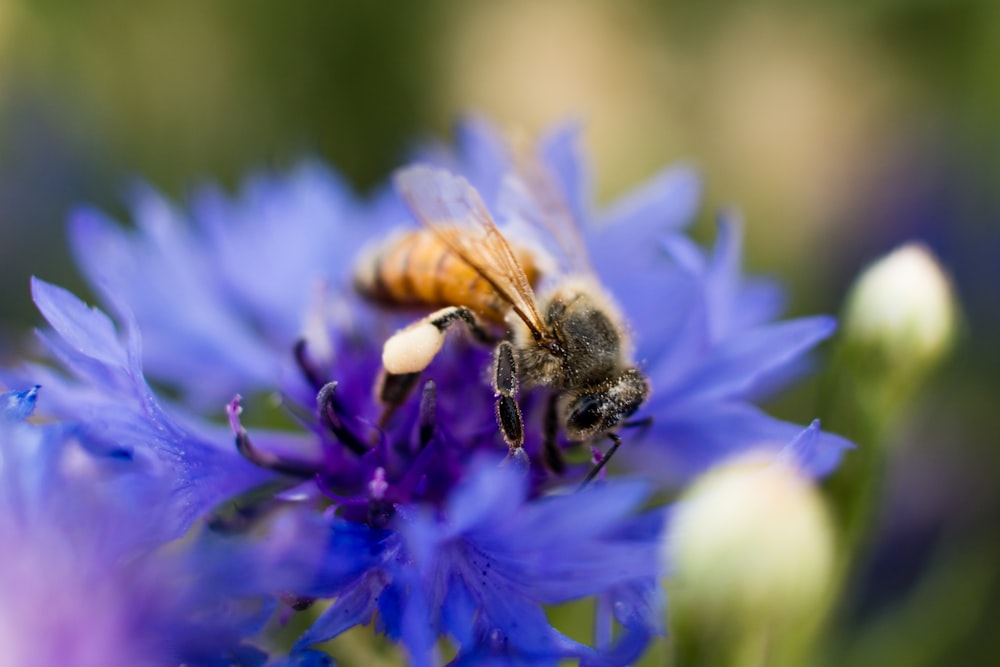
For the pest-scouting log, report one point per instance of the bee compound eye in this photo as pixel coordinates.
(585, 415)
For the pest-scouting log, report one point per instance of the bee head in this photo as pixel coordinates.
(596, 410)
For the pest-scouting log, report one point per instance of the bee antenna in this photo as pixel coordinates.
(603, 461)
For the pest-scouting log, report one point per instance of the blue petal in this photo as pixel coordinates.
(486, 494)
(249, 656)
(483, 659)
(29, 474)
(671, 328)
(509, 624)
(419, 621)
(565, 519)
(118, 413)
(685, 253)
(458, 613)
(632, 240)
(86, 330)
(563, 575)
(814, 452)
(351, 550)
(391, 612)
(667, 202)
(640, 605)
(483, 156)
(306, 658)
(354, 606)
(639, 609)
(560, 151)
(422, 533)
(738, 365)
(546, 552)
(194, 336)
(280, 238)
(760, 300)
(734, 302)
(18, 405)
(644, 527)
(680, 444)
(724, 276)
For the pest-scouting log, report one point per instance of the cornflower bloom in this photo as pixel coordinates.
(426, 531)
(91, 573)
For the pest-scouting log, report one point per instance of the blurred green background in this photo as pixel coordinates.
(840, 129)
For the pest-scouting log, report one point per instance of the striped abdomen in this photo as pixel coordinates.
(418, 269)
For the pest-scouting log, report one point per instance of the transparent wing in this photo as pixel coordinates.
(450, 206)
(540, 211)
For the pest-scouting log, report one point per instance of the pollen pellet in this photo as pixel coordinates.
(412, 349)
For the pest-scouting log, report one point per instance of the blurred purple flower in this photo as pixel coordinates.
(95, 504)
(88, 578)
(117, 416)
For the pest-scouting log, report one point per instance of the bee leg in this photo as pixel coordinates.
(412, 349)
(554, 459)
(603, 461)
(409, 351)
(505, 389)
(468, 317)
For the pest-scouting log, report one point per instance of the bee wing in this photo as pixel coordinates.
(535, 199)
(450, 206)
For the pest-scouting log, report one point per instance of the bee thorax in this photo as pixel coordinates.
(588, 345)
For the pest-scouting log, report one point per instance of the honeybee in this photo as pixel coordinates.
(571, 338)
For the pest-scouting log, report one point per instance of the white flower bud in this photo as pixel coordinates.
(905, 304)
(750, 554)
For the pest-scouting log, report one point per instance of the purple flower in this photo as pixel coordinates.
(95, 502)
(87, 577)
(423, 530)
(117, 416)
(223, 292)
(479, 567)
